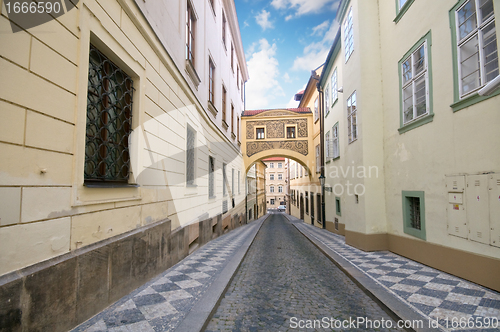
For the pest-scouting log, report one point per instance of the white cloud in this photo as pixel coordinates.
(302, 7)
(263, 87)
(292, 103)
(315, 53)
(287, 78)
(263, 20)
(320, 28)
(289, 17)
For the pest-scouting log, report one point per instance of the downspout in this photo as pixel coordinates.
(322, 150)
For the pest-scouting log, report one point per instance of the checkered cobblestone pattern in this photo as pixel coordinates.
(162, 303)
(432, 293)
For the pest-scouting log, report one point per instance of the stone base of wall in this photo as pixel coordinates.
(473, 267)
(60, 293)
(330, 226)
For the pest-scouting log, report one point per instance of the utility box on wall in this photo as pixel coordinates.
(457, 219)
(494, 193)
(474, 207)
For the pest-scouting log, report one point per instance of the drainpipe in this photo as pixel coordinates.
(322, 152)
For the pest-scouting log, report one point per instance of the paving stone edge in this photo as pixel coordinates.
(395, 308)
(201, 313)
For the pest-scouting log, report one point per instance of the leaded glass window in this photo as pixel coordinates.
(109, 121)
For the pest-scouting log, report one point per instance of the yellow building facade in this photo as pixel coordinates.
(411, 140)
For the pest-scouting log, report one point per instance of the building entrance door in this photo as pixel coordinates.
(301, 203)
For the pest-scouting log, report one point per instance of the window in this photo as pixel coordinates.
(327, 103)
(190, 155)
(312, 205)
(316, 114)
(290, 132)
(280, 165)
(238, 128)
(232, 182)
(212, 4)
(259, 133)
(333, 84)
(211, 177)
(415, 78)
(190, 34)
(232, 119)
(327, 145)
(271, 176)
(224, 180)
(211, 81)
(476, 39)
(318, 159)
(280, 189)
(272, 201)
(109, 121)
(337, 206)
(271, 189)
(271, 165)
(401, 3)
(224, 96)
(307, 203)
(280, 176)
(224, 22)
(301, 168)
(401, 8)
(348, 36)
(415, 87)
(414, 213)
(352, 122)
(335, 141)
(232, 57)
(319, 217)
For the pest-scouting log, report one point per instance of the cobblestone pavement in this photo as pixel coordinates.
(284, 279)
(435, 295)
(162, 303)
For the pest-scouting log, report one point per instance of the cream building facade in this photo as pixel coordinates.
(411, 146)
(256, 191)
(119, 118)
(276, 181)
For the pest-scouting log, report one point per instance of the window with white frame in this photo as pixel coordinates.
(280, 176)
(352, 118)
(271, 165)
(316, 114)
(280, 189)
(271, 176)
(327, 145)
(333, 84)
(280, 165)
(190, 33)
(327, 100)
(348, 36)
(335, 141)
(415, 84)
(318, 157)
(477, 45)
(271, 189)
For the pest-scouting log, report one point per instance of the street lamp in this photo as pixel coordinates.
(322, 182)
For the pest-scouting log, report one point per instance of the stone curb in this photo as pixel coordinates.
(395, 308)
(201, 313)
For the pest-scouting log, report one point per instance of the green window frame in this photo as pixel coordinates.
(414, 213)
(426, 43)
(461, 102)
(338, 209)
(401, 10)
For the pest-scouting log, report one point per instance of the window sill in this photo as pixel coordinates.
(471, 100)
(403, 10)
(335, 102)
(192, 73)
(109, 185)
(212, 108)
(212, 197)
(225, 125)
(233, 136)
(416, 123)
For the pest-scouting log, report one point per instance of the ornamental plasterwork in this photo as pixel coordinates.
(258, 146)
(276, 128)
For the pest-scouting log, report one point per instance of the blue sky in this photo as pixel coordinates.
(283, 40)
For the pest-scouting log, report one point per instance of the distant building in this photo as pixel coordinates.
(276, 181)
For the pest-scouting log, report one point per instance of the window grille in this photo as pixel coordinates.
(211, 177)
(414, 212)
(109, 121)
(224, 180)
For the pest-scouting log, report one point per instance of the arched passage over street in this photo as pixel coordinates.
(278, 133)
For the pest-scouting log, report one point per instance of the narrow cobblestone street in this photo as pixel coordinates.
(285, 281)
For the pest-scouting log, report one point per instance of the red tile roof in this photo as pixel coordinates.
(296, 110)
